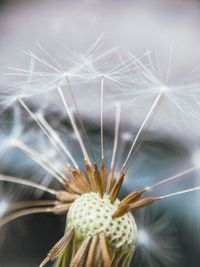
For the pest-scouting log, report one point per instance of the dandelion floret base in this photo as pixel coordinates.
(90, 215)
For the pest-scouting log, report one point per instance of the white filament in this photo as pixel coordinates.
(11, 179)
(51, 138)
(57, 139)
(74, 126)
(41, 160)
(180, 192)
(102, 92)
(142, 126)
(117, 123)
(172, 178)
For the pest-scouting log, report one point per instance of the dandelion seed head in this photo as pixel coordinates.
(140, 90)
(90, 215)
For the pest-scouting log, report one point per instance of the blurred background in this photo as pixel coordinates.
(168, 31)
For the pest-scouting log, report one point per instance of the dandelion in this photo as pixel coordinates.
(100, 228)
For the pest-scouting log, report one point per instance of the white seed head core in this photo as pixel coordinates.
(90, 215)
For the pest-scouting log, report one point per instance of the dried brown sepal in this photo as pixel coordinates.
(92, 252)
(124, 205)
(122, 260)
(116, 258)
(98, 259)
(110, 181)
(79, 180)
(65, 179)
(142, 203)
(120, 211)
(103, 175)
(59, 247)
(65, 196)
(104, 250)
(90, 176)
(65, 257)
(75, 183)
(85, 180)
(117, 186)
(79, 183)
(74, 247)
(132, 197)
(61, 208)
(79, 259)
(72, 187)
(128, 258)
(98, 181)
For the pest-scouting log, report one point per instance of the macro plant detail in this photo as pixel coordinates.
(100, 227)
